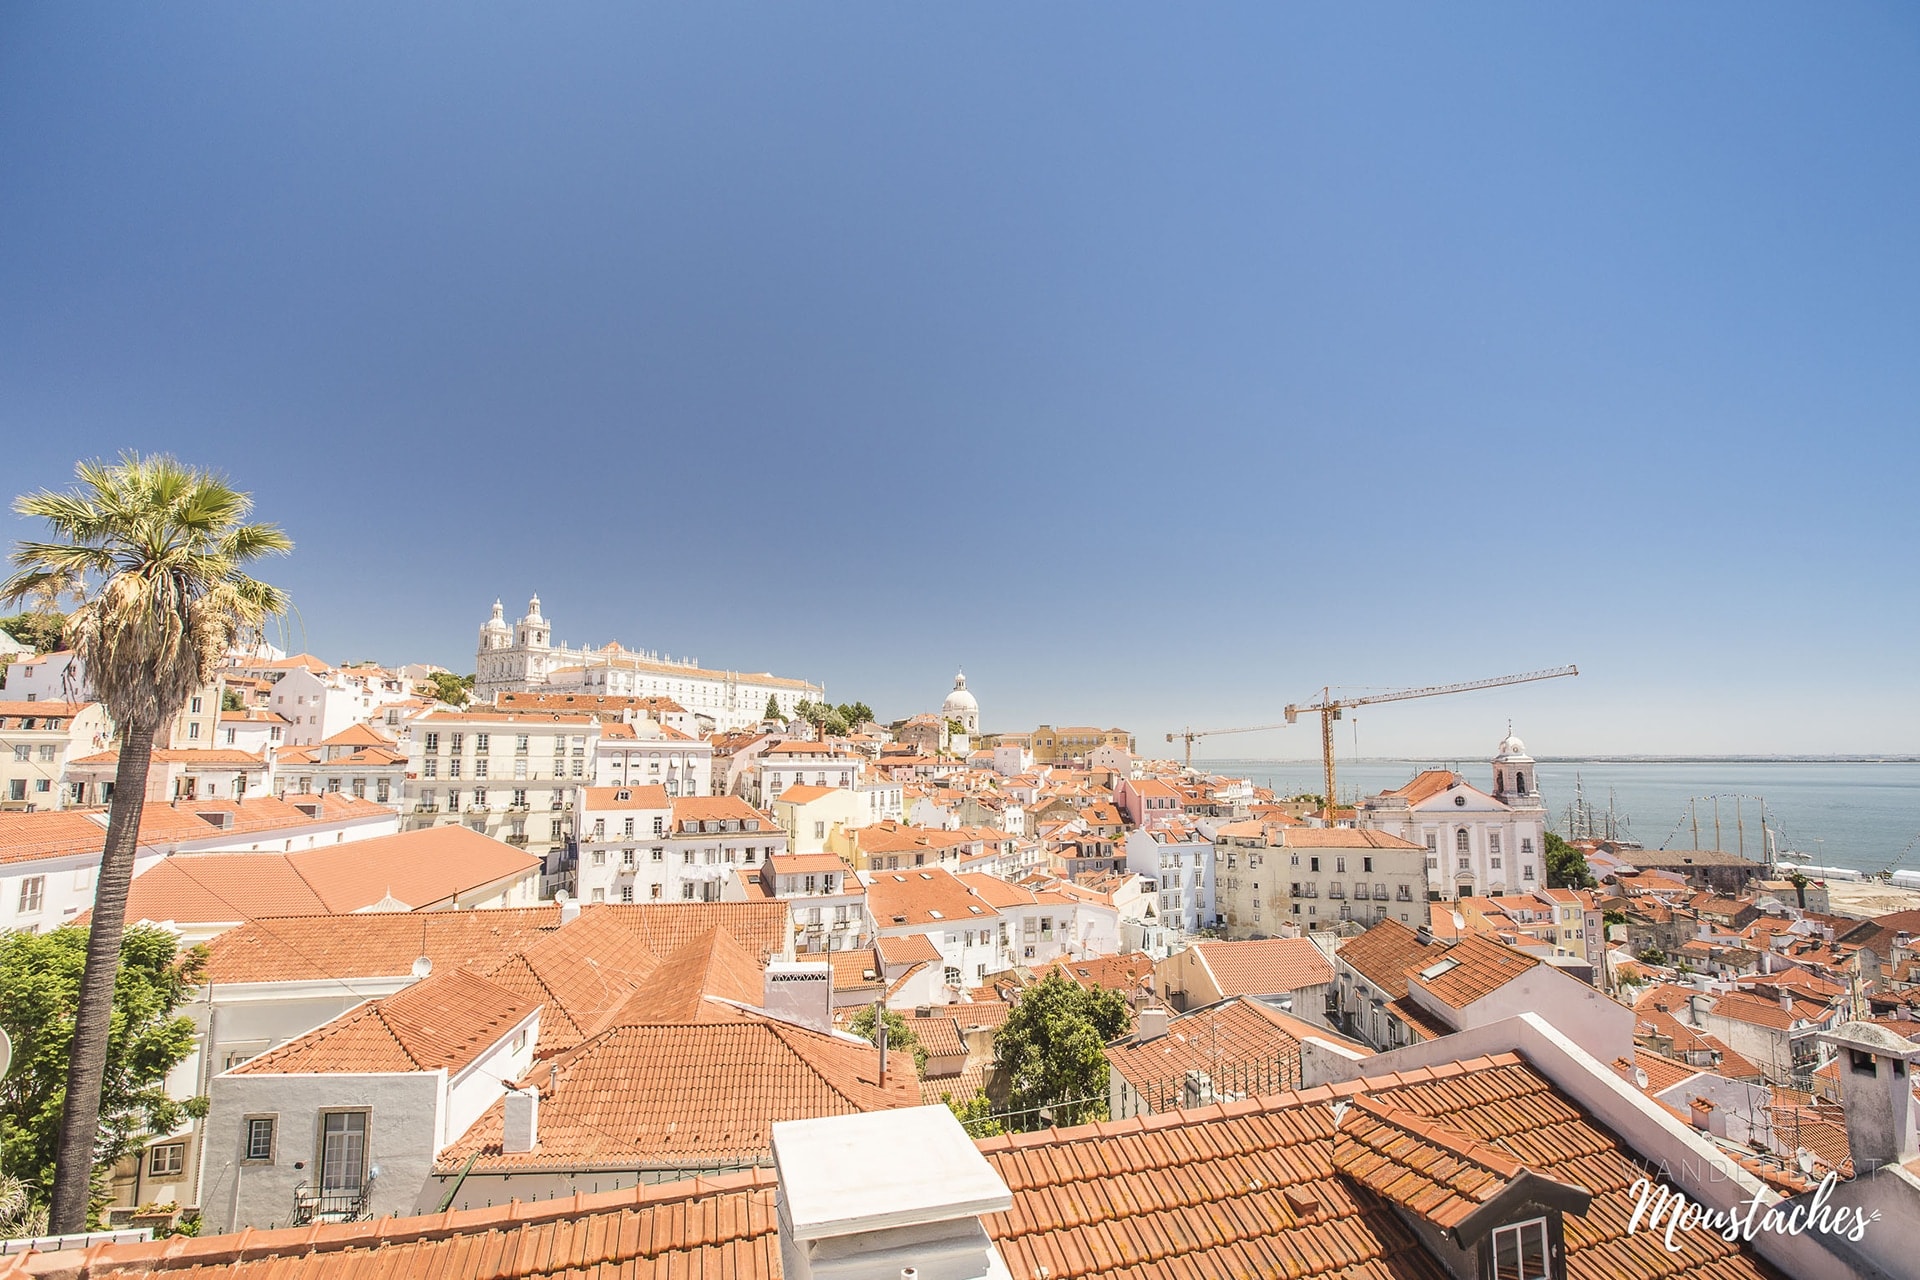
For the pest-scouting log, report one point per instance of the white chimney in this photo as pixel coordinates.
(569, 911)
(852, 1209)
(800, 991)
(1876, 1087)
(522, 1128)
(1197, 1090)
(1152, 1025)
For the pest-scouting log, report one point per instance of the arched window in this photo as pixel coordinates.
(1460, 840)
(1499, 780)
(1519, 782)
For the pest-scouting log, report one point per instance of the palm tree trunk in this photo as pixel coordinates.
(87, 1060)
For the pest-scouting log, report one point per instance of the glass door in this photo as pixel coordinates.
(343, 1151)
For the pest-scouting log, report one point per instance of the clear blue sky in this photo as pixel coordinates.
(1158, 366)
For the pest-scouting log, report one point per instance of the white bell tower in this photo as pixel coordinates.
(1514, 782)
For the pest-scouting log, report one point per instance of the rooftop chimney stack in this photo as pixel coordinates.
(522, 1128)
(1876, 1086)
(569, 911)
(800, 991)
(1152, 1025)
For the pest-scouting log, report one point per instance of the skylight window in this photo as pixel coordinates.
(1433, 971)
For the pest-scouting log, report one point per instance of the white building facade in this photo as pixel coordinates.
(1478, 843)
(523, 658)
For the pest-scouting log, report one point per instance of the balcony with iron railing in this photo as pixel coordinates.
(314, 1204)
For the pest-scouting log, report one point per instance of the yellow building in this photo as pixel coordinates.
(1075, 742)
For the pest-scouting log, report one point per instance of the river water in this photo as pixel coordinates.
(1856, 814)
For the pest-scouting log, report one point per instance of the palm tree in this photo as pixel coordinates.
(155, 550)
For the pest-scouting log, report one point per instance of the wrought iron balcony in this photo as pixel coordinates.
(312, 1204)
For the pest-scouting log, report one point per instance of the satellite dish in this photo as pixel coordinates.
(423, 966)
(6, 1052)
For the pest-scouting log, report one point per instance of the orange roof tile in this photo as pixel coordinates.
(647, 1095)
(445, 1021)
(1241, 1045)
(1264, 966)
(1471, 969)
(419, 868)
(1383, 954)
(56, 833)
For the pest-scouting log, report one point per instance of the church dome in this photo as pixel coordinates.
(498, 622)
(959, 701)
(1512, 746)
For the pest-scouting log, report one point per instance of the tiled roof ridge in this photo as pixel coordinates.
(1456, 1142)
(251, 1244)
(794, 1038)
(1102, 1129)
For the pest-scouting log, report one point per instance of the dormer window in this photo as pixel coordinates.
(1522, 1251)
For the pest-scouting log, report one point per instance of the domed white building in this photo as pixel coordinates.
(961, 705)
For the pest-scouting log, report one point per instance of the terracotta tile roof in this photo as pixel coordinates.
(936, 1031)
(1264, 966)
(581, 973)
(804, 795)
(1383, 954)
(912, 948)
(1420, 1023)
(1475, 967)
(1252, 1188)
(39, 710)
(379, 945)
(56, 833)
(618, 936)
(1431, 1169)
(850, 969)
(1662, 1072)
(357, 735)
(678, 990)
(223, 757)
(1132, 971)
(718, 808)
(1757, 1010)
(800, 864)
(639, 1096)
(1241, 1045)
(1426, 784)
(924, 895)
(446, 1021)
(418, 868)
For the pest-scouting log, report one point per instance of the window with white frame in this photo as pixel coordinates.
(1521, 1251)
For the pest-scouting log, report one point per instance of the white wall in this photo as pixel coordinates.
(404, 1117)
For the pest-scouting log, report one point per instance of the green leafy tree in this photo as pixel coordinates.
(1653, 956)
(975, 1115)
(156, 551)
(41, 979)
(1566, 866)
(450, 688)
(835, 725)
(773, 710)
(855, 713)
(1052, 1048)
(41, 628)
(955, 726)
(230, 700)
(900, 1037)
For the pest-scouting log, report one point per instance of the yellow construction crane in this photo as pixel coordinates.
(1191, 734)
(1330, 708)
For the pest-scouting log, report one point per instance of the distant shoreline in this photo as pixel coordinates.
(1751, 759)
